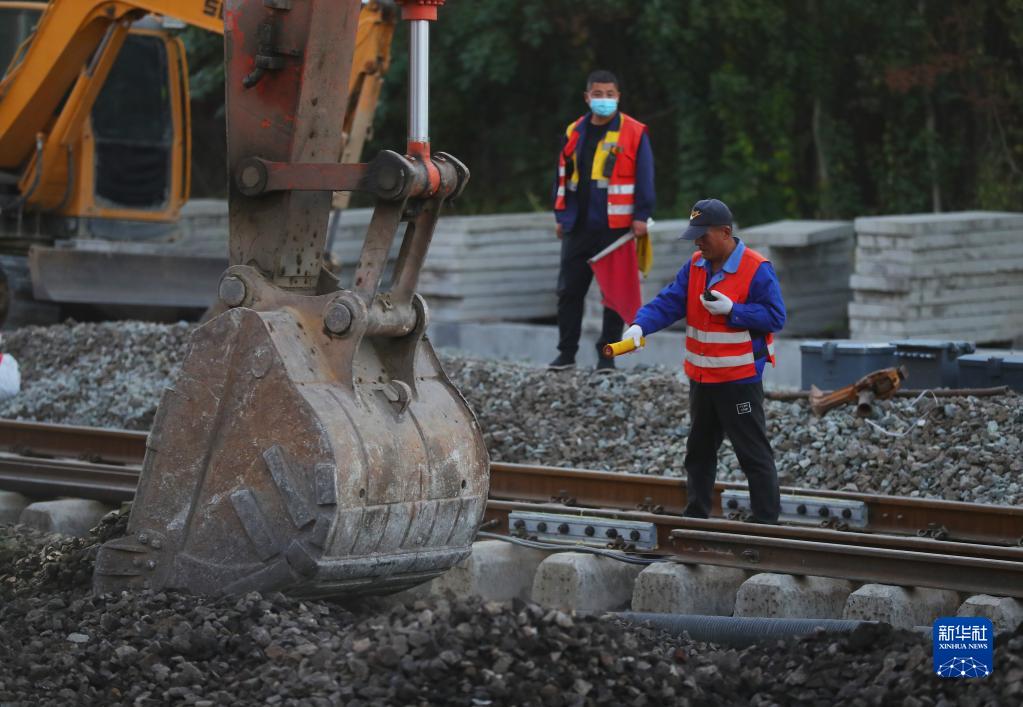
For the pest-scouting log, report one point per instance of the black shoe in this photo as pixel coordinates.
(604, 365)
(562, 362)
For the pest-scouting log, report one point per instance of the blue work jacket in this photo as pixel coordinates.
(763, 311)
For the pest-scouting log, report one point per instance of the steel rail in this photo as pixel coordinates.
(61, 477)
(863, 564)
(668, 526)
(47, 478)
(862, 557)
(40, 439)
(956, 520)
(882, 559)
(953, 520)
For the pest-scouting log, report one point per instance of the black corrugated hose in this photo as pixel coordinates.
(738, 631)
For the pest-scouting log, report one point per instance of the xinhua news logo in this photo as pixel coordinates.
(963, 647)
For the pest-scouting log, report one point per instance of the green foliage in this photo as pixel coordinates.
(783, 108)
(205, 63)
(205, 51)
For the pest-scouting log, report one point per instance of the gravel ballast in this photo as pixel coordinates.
(63, 645)
(109, 374)
(963, 449)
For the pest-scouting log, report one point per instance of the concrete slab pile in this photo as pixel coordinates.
(479, 268)
(943, 276)
(814, 261)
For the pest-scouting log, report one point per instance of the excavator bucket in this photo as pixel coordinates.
(311, 443)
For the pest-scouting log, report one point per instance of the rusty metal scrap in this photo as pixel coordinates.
(879, 385)
(790, 395)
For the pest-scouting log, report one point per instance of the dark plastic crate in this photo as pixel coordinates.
(988, 371)
(834, 364)
(931, 363)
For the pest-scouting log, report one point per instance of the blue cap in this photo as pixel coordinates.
(705, 214)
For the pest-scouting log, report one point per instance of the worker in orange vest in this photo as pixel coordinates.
(604, 188)
(732, 303)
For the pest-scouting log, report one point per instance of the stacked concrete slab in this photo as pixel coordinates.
(944, 276)
(202, 228)
(479, 268)
(814, 261)
(670, 254)
(485, 268)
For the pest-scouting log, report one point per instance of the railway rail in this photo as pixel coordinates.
(909, 541)
(103, 464)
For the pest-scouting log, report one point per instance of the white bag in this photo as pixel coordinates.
(10, 377)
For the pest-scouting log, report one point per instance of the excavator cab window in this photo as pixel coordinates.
(133, 128)
(16, 26)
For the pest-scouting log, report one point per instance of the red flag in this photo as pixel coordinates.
(617, 271)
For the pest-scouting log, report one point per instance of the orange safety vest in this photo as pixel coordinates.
(716, 352)
(618, 177)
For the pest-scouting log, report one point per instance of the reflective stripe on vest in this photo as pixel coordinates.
(623, 144)
(715, 351)
(720, 361)
(719, 337)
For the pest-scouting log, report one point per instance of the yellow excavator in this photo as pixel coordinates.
(95, 150)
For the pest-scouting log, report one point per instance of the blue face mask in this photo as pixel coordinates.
(604, 107)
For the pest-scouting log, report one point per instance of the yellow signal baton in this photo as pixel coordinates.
(622, 347)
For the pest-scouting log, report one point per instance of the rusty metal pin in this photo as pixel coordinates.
(232, 291)
(338, 318)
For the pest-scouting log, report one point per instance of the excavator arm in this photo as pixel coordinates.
(311, 442)
(52, 84)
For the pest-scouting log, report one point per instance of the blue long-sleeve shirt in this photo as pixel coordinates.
(763, 311)
(595, 218)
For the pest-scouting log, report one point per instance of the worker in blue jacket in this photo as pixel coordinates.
(731, 300)
(605, 187)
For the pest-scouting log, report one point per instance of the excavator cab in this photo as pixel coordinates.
(129, 159)
(134, 155)
(311, 443)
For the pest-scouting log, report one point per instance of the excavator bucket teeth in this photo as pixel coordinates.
(284, 458)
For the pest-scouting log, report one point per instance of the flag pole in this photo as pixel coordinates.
(630, 236)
